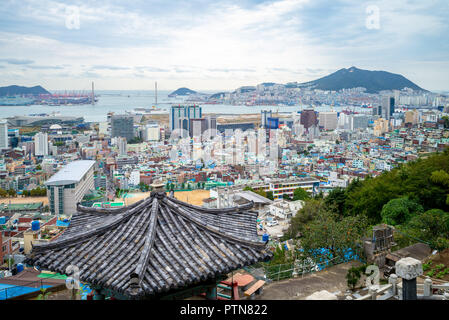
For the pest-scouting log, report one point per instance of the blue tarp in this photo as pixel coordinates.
(61, 223)
(8, 291)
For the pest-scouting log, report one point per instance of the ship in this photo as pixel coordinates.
(147, 111)
(16, 101)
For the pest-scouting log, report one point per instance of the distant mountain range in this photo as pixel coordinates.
(373, 81)
(19, 90)
(182, 92)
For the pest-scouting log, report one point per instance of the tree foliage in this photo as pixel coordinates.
(423, 181)
(300, 194)
(329, 230)
(414, 197)
(320, 226)
(400, 211)
(432, 227)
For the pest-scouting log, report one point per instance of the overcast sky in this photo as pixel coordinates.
(214, 45)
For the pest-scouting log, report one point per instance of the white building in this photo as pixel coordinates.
(134, 178)
(122, 146)
(358, 121)
(4, 135)
(328, 120)
(152, 132)
(335, 181)
(285, 209)
(69, 185)
(41, 144)
(103, 128)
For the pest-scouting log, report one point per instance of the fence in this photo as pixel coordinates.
(317, 261)
(25, 287)
(394, 289)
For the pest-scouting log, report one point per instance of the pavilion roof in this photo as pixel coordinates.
(153, 246)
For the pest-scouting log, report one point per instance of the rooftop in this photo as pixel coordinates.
(70, 173)
(154, 246)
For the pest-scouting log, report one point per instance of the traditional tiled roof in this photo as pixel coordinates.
(154, 246)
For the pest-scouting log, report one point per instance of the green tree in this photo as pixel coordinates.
(304, 216)
(431, 226)
(441, 177)
(400, 211)
(353, 276)
(336, 198)
(3, 193)
(300, 194)
(12, 192)
(269, 195)
(328, 230)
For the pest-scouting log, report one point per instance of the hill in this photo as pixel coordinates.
(182, 92)
(20, 90)
(373, 81)
(413, 197)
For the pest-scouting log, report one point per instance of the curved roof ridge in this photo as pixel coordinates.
(110, 222)
(214, 230)
(238, 208)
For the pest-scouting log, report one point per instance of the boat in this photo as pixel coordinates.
(16, 101)
(147, 111)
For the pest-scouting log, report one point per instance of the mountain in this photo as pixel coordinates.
(217, 95)
(182, 92)
(19, 90)
(373, 81)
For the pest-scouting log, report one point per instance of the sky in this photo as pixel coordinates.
(219, 44)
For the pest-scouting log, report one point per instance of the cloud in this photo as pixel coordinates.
(106, 67)
(151, 69)
(39, 67)
(223, 44)
(17, 61)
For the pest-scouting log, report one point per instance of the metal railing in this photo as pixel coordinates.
(18, 290)
(394, 289)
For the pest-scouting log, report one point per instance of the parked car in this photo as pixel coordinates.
(272, 223)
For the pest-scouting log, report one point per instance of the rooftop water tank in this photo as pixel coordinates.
(265, 237)
(35, 225)
(2, 220)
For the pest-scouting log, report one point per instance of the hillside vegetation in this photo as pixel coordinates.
(414, 198)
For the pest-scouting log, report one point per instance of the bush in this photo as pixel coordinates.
(353, 276)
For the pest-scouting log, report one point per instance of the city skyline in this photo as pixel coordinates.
(218, 45)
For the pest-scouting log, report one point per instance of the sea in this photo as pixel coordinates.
(121, 101)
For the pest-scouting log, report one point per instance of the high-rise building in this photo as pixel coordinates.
(328, 120)
(69, 185)
(4, 134)
(309, 118)
(152, 132)
(377, 110)
(358, 121)
(211, 126)
(197, 127)
(122, 146)
(41, 144)
(411, 117)
(180, 116)
(387, 107)
(381, 126)
(264, 115)
(122, 126)
(103, 128)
